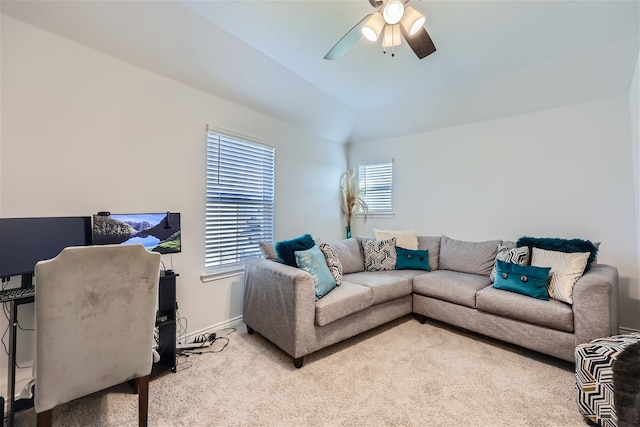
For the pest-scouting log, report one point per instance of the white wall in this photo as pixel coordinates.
(83, 132)
(564, 172)
(634, 114)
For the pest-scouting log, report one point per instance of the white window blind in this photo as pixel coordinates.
(376, 187)
(240, 200)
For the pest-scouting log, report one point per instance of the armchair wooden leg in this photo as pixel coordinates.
(143, 401)
(45, 419)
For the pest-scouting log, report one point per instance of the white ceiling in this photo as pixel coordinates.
(494, 58)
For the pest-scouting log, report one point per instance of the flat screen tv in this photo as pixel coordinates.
(25, 241)
(157, 232)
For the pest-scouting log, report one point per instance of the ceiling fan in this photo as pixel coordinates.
(391, 19)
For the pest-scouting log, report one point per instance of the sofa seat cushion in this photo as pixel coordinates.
(551, 314)
(385, 285)
(451, 286)
(342, 301)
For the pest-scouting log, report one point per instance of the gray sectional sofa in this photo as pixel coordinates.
(280, 301)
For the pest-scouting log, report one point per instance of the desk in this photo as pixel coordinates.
(13, 328)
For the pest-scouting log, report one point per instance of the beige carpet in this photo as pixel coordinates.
(401, 374)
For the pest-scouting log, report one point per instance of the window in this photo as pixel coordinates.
(240, 201)
(376, 187)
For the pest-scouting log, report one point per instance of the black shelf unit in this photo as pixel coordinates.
(166, 325)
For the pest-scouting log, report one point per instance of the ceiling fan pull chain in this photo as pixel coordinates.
(393, 33)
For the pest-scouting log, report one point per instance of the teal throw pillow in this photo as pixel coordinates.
(285, 249)
(412, 259)
(523, 279)
(313, 262)
(560, 245)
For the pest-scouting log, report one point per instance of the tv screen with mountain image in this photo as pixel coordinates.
(157, 232)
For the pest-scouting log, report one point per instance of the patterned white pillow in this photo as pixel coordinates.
(566, 269)
(380, 255)
(333, 262)
(510, 254)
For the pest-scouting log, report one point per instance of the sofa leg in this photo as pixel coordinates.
(298, 362)
(250, 330)
(420, 318)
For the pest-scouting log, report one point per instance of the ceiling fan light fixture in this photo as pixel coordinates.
(372, 29)
(393, 21)
(391, 36)
(392, 11)
(412, 20)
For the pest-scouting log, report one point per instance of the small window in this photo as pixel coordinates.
(376, 187)
(239, 201)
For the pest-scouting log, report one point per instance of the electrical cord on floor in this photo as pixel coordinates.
(181, 328)
(180, 366)
(212, 337)
(188, 352)
(204, 338)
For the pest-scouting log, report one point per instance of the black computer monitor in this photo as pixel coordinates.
(25, 241)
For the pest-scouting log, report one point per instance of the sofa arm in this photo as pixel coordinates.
(595, 304)
(279, 303)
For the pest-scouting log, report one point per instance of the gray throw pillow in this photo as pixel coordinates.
(468, 257)
(348, 252)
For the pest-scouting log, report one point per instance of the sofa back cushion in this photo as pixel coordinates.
(431, 244)
(269, 251)
(468, 257)
(350, 255)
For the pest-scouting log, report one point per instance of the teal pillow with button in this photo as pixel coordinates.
(412, 259)
(523, 279)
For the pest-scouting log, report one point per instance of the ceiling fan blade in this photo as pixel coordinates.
(348, 40)
(420, 42)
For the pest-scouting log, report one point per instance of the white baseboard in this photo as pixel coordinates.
(235, 322)
(624, 330)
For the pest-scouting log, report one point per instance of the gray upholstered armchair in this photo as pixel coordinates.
(95, 315)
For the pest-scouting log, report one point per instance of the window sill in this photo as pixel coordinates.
(386, 215)
(222, 273)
